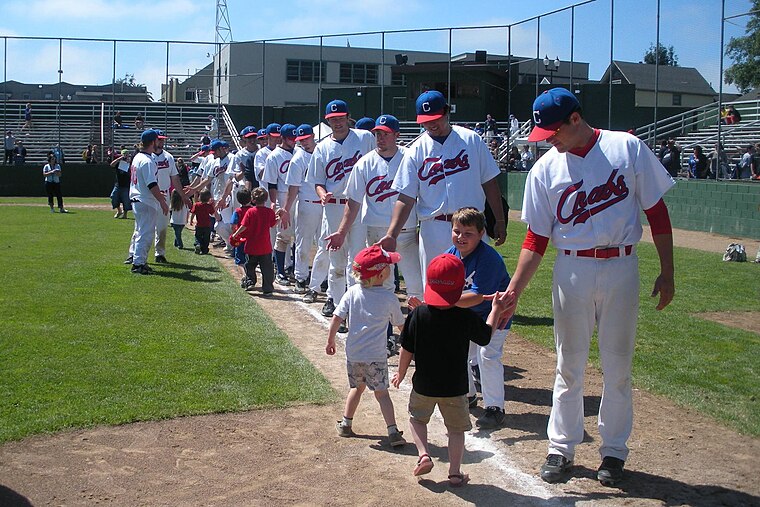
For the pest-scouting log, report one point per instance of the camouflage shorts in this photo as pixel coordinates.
(375, 375)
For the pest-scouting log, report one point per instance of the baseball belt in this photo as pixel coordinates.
(443, 218)
(337, 201)
(602, 253)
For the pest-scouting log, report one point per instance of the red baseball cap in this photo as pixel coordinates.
(445, 280)
(372, 260)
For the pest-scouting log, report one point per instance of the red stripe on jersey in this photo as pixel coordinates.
(535, 242)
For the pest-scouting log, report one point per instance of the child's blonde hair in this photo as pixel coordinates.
(366, 283)
(176, 201)
(470, 217)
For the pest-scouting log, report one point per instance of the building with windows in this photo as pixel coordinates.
(34, 92)
(272, 74)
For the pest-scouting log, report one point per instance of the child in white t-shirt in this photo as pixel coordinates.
(178, 218)
(369, 307)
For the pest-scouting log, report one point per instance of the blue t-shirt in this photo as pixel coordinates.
(485, 273)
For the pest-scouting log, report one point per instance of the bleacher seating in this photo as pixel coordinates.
(77, 124)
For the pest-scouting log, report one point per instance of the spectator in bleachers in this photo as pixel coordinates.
(139, 121)
(10, 144)
(719, 162)
(743, 167)
(670, 157)
(118, 123)
(183, 171)
(513, 161)
(698, 167)
(732, 115)
(27, 117)
(755, 165)
(514, 125)
(723, 115)
(490, 128)
(213, 127)
(527, 158)
(19, 153)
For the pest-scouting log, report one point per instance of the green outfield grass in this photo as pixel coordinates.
(695, 362)
(85, 342)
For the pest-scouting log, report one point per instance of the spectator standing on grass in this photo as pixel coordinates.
(52, 173)
(19, 153)
(10, 144)
(698, 167)
(243, 197)
(254, 231)
(120, 193)
(368, 307)
(203, 211)
(178, 218)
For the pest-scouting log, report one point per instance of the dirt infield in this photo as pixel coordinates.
(293, 456)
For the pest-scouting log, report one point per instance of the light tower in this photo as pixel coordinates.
(223, 35)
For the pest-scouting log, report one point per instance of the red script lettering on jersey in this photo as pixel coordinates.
(438, 170)
(606, 195)
(381, 188)
(284, 167)
(337, 170)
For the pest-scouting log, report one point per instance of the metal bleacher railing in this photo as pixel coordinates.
(74, 125)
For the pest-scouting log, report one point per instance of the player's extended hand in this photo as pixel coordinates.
(284, 217)
(326, 198)
(164, 206)
(335, 240)
(413, 302)
(387, 243)
(330, 348)
(666, 288)
(396, 379)
(500, 230)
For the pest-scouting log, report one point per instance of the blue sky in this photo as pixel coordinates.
(691, 26)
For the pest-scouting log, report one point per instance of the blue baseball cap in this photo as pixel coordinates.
(273, 129)
(161, 134)
(218, 143)
(336, 108)
(288, 130)
(148, 136)
(304, 131)
(262, 133)
(430, 106)
(365, 124)
(387, 123)
(249, 131)
(205, 147)
(550, 109)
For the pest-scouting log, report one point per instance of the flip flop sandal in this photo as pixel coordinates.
(424, 465)
(458, 480)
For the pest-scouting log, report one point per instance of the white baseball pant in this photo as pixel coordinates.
(605, 292)
(308, 230)
(162, 224)
(408, 247)
(223, 226)
(341, 259)
(435, 239)
(488, 359)
(145, 226)
(320, 266)
(283, 237)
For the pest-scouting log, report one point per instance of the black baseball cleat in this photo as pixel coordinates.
(129, 260)
(141, 269)
(160, 259)
(610, 472)
(555, 467)
(328, 308)
(494, 417)
(343, 328)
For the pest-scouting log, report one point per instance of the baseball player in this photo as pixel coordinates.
(246, 156)
(167, 177)
(369, 192)
(275, 171)
(272, 133)
(586, 194)
(447, 168)
(147, 201)
(308, 218)
(329, 168)
(365, 124)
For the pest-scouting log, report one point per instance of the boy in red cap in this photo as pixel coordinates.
(369, 307)
(437, 335)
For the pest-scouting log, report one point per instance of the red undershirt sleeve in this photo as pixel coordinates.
(535, 242)
(659, 219)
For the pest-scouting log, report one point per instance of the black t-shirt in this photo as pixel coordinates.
(440, 342)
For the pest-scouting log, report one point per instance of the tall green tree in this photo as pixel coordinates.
(667, 55)
(745, 53)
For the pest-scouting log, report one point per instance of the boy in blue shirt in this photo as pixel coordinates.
(485, 274)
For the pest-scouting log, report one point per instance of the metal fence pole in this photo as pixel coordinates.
(720, 85)
(612, 33)
(448, 84)
(509, 69)
(382, 74)
(657, 66)
(60, 76)
(572, 47)
(538, 48)
(166, 96)
(5, 85)
(319, 90)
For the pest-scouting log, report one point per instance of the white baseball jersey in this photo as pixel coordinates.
(234, 169)
(245, 161)
(594, 201)
(217, 171)
(446, 177)
(276, 168)
(166, 169)
(299, 164)
(332, 161)
(370, 184)
(260, 160)
(143, 173)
